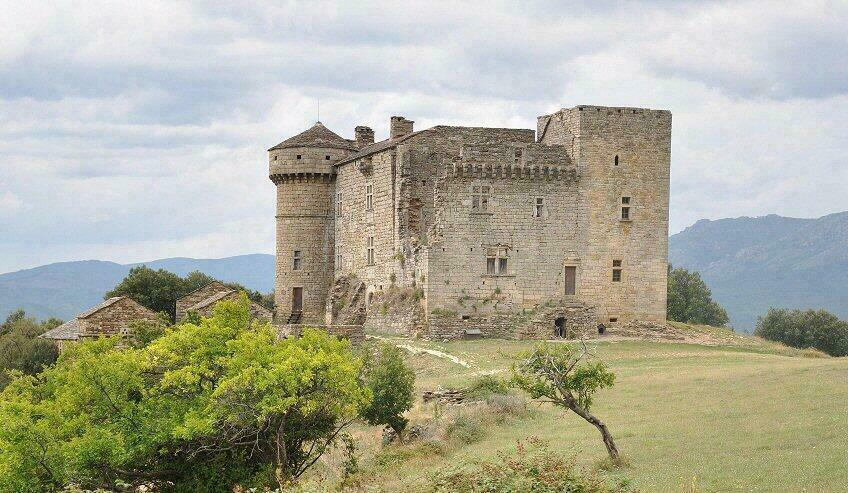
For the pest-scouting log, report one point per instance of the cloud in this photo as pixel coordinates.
(131, 132)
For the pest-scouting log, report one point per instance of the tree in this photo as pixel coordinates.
(20, 347)
(690, 300)
(202, 408)
(563, 375)
(391, 383)
(160, 289)
(817, 329)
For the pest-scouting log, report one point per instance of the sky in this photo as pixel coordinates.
(132, 131)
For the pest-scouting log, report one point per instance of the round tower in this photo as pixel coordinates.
(302, 169)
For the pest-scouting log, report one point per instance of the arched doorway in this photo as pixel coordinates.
(559, 327)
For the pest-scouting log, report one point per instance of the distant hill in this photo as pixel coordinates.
(752, 263)
(66, 288)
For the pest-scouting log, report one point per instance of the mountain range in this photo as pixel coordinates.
(749, 263)
(65, 289)
(753, 263)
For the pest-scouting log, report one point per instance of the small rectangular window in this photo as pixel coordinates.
(327, 158)
(339, 259)
(517, 156)
(497, 262)
(297, 260)
(616, 271)
(369, 197)
(625, 208)
(369, 251)
(539, 207)
(339, 204)
(298, 156)
(480, 198)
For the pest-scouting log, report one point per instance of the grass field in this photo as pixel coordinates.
(751, 416)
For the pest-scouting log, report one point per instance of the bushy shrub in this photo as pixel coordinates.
(466, 428)
(487, 385)
(533, 467)
(507, 406)
(816, 329)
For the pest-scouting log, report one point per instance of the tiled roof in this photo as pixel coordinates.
(213, 283)
(68, 331)
(210, 300)
(91, 311)
(379, 146)
(317, 136)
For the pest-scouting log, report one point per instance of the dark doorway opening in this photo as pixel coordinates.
(601, 329)
(297, 300)
(559, 327)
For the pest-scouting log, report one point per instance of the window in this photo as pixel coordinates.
(613, 320)
(339, 204)
(369, 251)
(497, 262)
(327, 157)
(480, 198)
(625, 208)
(615, 161)
(275, 158)
(339, 259)
(517, 156)
(297, 260)
(539, 207)
(298, 156)
(369, 197)
(616, 271)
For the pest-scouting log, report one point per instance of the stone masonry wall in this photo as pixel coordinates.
(642, 141)
(257, 311)
(115, 319)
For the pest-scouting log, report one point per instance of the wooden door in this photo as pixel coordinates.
(297, 300)
(570, 279)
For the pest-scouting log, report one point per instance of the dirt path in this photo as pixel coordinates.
(420, 350)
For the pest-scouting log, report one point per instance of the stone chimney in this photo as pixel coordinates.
(400, 126)
(364, 136)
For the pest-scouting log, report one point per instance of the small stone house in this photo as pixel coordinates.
(112, 317)
(203, 300)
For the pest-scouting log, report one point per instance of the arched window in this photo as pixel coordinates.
(616, 160)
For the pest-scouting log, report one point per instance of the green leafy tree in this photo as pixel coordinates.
(817, 329)
(21, 349)
(690, 300)
(564, 376)
(391, 383)
(201, 408)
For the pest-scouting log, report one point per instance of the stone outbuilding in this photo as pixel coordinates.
(112, 317)
(203, 300)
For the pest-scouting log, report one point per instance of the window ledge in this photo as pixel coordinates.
(498, 275)
(481, 213)
(626, 220)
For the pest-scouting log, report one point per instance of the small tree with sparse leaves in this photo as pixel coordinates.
(565, 376)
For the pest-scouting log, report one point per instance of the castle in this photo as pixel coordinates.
(457, 231)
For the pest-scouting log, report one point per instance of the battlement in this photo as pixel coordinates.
(513, 160)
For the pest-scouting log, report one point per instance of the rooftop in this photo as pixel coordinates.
(317, 136)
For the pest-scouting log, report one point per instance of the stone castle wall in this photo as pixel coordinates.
(642, 141)
(305, 189)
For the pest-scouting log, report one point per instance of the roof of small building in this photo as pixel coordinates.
(212, 299)
(91, 311)
(68, 331)
(205, 286)
(317, 136)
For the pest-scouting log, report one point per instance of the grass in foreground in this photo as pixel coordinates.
(749, 416)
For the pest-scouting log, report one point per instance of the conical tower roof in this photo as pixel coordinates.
(317, 136)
